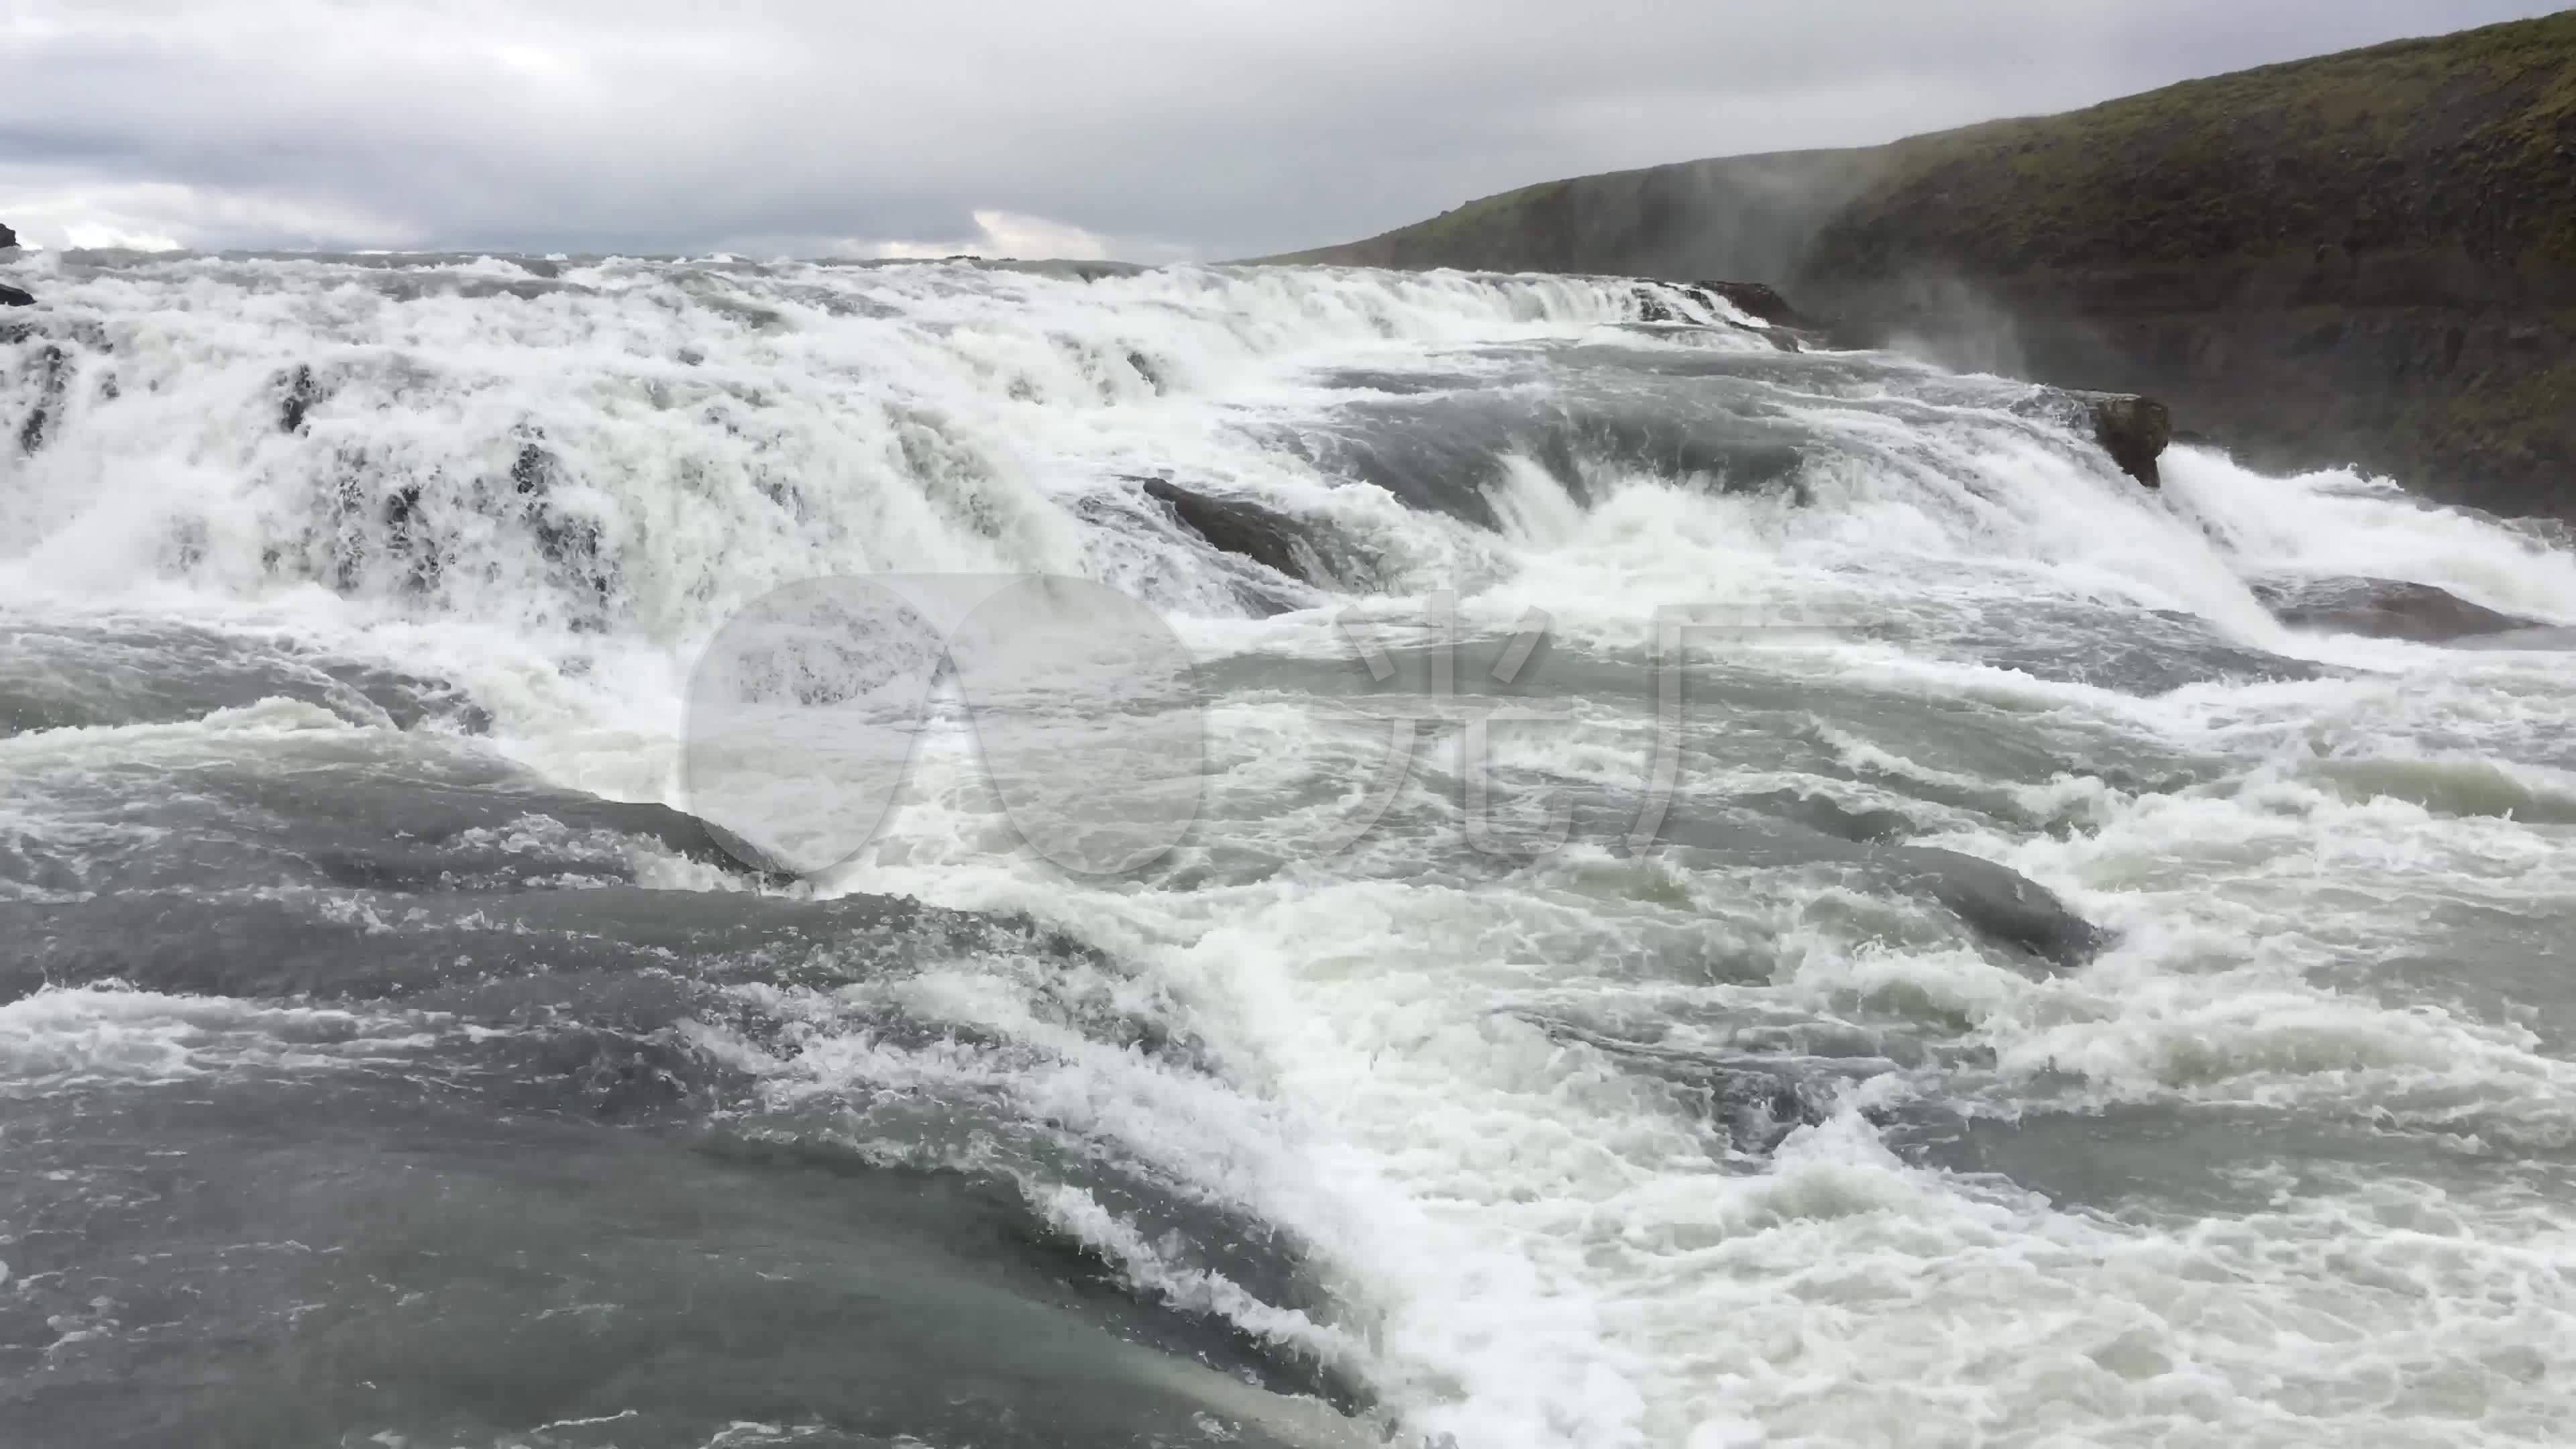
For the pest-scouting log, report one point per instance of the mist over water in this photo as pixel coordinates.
(390, 1053)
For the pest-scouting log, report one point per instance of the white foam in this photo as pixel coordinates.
(1533, 1241)
(2338, 523)
(63, 1039)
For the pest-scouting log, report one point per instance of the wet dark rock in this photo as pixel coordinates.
(1449, 458)
(87, 333)
(1653, 308)
(1758, 1100)
(1779, 323)
(12, 296)
(1817, 813)
(59, 676)
(570, 543)
(1247, 530)
(53, 374)
(2000, 904)
(2134, 431)
(2554, 638)
(1781, 340)
(415, 812)
(532, 471)
(283, 944)
(1762, 303)
(2383, 609)
(297, 391)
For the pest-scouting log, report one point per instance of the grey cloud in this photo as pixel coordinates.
(802, 125)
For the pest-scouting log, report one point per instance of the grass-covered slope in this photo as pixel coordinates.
(2458, 141)
(2466, 139)
(2365, 257)
(1748, 217)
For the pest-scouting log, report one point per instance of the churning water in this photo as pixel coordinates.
(389, 1054)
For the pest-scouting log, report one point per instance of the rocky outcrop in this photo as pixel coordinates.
(1775, 321)
(1762, 303)
(2383, 609)
(12, 296)
(1652, 308)
(2134, 431)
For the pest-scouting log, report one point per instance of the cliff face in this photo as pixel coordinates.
(2367, 257)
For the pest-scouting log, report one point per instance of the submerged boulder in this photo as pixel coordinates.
(1829, 817)
(2382, 609)
(1998, 903)
(2134, 431)
(1247, 530)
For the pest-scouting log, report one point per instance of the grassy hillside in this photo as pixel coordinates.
(2458, 139)
(2463, 141)
(1748, 217)
(2367, 257)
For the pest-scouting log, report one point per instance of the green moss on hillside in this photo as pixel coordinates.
(1512, 210)
(2361, 258)
(2463, 141)
(1738, 216)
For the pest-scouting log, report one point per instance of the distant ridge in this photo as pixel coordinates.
(2364, 257)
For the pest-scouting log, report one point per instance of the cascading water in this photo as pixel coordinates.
(387, 1060)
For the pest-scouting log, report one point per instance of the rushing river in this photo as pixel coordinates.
(390, 1055)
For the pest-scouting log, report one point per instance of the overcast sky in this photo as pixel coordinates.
(1187, 128)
